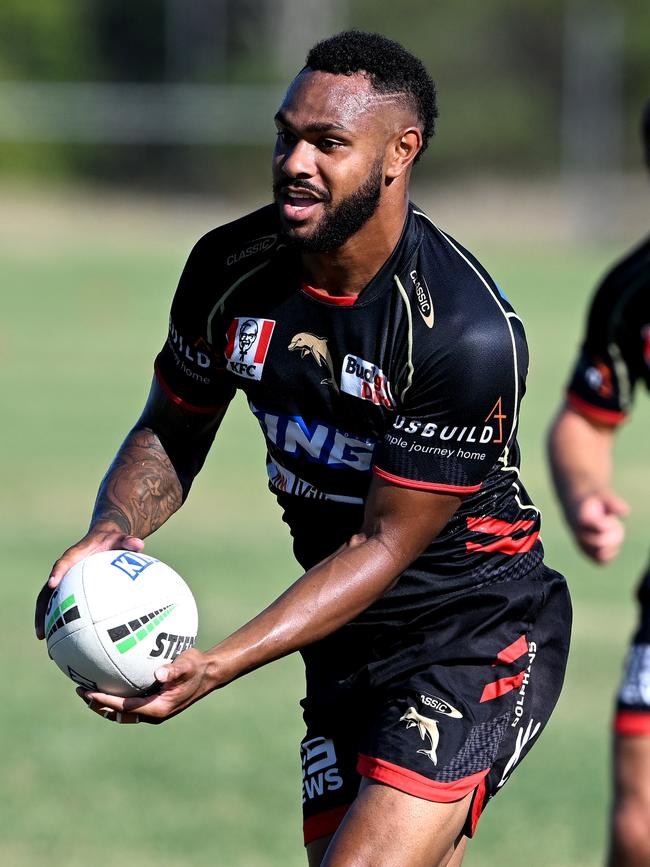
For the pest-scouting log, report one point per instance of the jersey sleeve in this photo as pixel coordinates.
(190, 367)
(457, 412)
(601, 384)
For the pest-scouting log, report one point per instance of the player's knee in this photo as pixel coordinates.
(631, 829)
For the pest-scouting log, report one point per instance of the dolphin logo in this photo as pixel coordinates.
(310, 344)
(426, 727)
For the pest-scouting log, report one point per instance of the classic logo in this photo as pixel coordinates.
(427, 728)
(248, 343)
(133, 564)
(319, 768)
(310, 344)
(364, 379)
(440, 706)
(259, 245)
(425, 305)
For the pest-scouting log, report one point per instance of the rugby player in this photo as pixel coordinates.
(386, 370)
(615, 357)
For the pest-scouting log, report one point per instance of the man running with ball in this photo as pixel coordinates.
(386, 370)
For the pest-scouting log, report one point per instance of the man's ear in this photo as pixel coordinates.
(403, 149)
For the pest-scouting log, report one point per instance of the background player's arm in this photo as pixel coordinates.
(581, 458)
(147, 482)
(399, 524)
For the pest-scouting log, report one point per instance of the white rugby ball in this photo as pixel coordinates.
(115, 618)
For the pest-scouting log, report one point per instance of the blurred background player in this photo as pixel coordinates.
(615, 356)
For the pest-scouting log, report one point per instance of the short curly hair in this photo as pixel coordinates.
(391, 69)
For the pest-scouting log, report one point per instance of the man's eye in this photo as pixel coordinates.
(329, 144)
(286, 137)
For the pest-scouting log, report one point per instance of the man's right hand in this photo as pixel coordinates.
(94, 541)
(598, 527)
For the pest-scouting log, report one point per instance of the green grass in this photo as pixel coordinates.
(83, 315)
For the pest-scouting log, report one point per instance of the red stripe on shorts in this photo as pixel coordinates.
(478, 802)
(502, 686)
(416, 784)
(323, 824)
(513, 651)
(632, 722)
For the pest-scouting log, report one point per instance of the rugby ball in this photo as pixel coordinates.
(115, 618)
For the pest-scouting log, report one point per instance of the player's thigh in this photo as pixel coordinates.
(385, 827)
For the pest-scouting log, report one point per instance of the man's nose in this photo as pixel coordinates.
(299, 161)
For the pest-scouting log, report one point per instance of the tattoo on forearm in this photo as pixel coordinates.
(141, 489)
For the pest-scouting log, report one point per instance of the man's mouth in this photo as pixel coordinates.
(298, 204)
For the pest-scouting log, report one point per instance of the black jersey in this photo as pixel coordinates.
(418, 379)
(615, 354)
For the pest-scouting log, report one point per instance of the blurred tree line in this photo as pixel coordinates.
(500, 67)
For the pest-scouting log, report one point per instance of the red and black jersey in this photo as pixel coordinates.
(418, 379)
(615, 354)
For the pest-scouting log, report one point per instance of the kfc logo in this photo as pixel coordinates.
(248, 343)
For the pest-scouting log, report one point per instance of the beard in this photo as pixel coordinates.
(339, 222)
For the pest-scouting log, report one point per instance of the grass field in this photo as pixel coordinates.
(84, 308)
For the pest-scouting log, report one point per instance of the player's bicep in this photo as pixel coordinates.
(406, 519)
(186, 435)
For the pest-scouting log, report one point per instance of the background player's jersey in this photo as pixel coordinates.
(418, 380)
(616, 351)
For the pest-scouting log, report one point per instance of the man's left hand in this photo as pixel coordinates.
(182, 682)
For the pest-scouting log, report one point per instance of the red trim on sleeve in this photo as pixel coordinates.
(632, 722)
(323, 824)
(322, 295)
(416, 784)
(612, 417)
(501, 687)
(478, 802)
(513, 651)
(183, 403)
(426, 486)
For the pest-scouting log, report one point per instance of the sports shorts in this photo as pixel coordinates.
(632, 715)
(438, 707)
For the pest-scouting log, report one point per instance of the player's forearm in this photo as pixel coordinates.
(580, 455)
(320, 602)
(141, 489)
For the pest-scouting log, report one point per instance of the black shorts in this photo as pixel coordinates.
(439, 707)
(632, 715)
